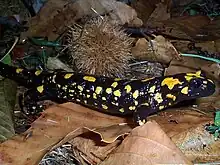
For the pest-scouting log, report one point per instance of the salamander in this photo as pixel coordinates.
(139, 97)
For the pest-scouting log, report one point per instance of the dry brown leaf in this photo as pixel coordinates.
(160, 50)
(210, 46)
(92, 148)
(51, 20)
(184, 27)
(97, 144)
(54, 124)
(145, 8)
(55, 16)
(188, 25)
(123, 14)
(207, 46)
(185, 127)
(159, 14)
(211, 30)
(146, 144)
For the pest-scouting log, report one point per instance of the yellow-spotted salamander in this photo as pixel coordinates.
(140, 97)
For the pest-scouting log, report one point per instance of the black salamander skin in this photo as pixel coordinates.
(115, 96)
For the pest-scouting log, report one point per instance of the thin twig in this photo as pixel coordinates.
(15, 42)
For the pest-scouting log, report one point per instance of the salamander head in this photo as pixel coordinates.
(188, 86)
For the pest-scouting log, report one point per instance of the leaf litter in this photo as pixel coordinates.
(69, 131)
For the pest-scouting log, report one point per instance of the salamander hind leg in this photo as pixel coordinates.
(141, 113)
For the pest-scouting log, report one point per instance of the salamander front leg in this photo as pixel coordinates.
(29, 100)
(141, 113)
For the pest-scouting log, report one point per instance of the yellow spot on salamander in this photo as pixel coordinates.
(135, 94)
(68, 75)
(94, 96)
(141, 122)
(147, 79)
(73, 84)
(19, 70)
(122, 110)
(128, 88)
(190, 76)
(80, 87)
(135, 102)
(116, 104)
(185, 90)
(54, 78)
(89, 78)
(114, 84)
(152, 89)
(58, 85)
(85, 101)
(104, 106)
(98, 90)
(104, 98)
(117, 93)
(38, 72)
(197, 74)
(64, 88)
(88, 96)
(117, 79)
(146, 104)
(161, 107)
(170, 96)
(40, 88)
(170, 82)
(109, 90)
(158, 97)
(132, 108)
(78, 100)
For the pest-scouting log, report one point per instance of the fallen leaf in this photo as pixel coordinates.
(186, 28)
(217, 45)
(182, 46)
(55, 16)
(147, 144)
(211, 31)
(51, 20)
(144, 8)
(160, 13)
(7, 98)
(142, 49)
(185, 126)
(123, 14)
(92, 148)
(158, 49)
(50, 128)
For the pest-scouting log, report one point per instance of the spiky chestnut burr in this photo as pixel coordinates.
(100, 48)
